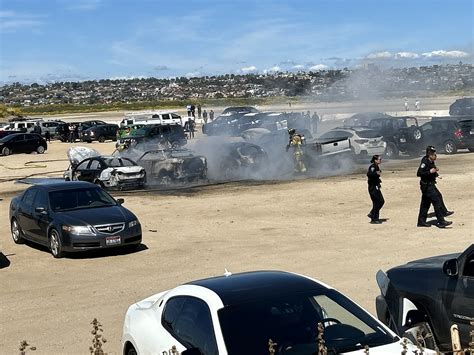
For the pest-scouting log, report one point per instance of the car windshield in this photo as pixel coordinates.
(118, 162)
(292, 321)
(369, 133)
(67, 200)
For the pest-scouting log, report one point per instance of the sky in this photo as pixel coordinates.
(75, 40)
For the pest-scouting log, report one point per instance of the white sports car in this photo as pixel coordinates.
(239, 314)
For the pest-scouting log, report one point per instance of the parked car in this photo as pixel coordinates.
(433, 294)
(109, 172)
(448, 134)
(100, 133)
(7, 133)
(227, 121)
(22, 143)
(363, 119)
(72, 216)
(62, 131)
(24, 125)
(148, 135)
(169, 166)
(240, 313)
(364, 142)
(461, 107)
(49, 126)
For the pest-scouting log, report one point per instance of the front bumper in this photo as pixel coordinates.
(73, 242)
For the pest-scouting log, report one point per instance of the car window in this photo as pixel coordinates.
(368, 134)
(93, 197)
(95, 165)
(171, 312)
(191, 324)
(166, 116)
(83, 165)
(175, 116)
(469, 266)
(427, 127)
(29, 197)
(41, 199)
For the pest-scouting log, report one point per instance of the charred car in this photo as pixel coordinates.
(432, 294)
(110, 172)
(242, 160)
(167, 166)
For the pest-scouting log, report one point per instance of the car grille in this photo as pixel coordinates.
(86, 245)
(110, 228)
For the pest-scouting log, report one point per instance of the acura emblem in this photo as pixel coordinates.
(110, 229)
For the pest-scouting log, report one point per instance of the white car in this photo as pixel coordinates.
(364, 141)
(238, 315)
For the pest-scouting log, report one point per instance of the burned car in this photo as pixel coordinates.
(106, 171)
(432, 293)
(242, 160)
(167, 166)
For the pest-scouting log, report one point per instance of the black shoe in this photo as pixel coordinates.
(423, 224)
(449, 213)
(443, 224)
(369, 215)
(376, 221)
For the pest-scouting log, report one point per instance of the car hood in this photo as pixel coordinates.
(97, 216)
(435, 262)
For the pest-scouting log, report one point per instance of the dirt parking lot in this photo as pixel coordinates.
(316, 227)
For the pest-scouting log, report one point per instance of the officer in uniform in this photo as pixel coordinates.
(428, 172)
(296, 142)
(374, 181)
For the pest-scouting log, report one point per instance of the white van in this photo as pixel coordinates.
(151, 117)
(26, 126)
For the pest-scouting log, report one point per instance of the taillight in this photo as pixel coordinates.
(361, 141)
(458, 133)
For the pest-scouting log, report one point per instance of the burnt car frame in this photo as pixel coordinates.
(71, 217)
(109, 172)
(433, 293)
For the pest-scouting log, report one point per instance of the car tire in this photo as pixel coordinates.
(6, 151)
(17, 234)
(416, 134)
(55, 244)
(40, 149)
(449, 147)
(471, 149)
(101, 139)
(391, 152)
(424, 338)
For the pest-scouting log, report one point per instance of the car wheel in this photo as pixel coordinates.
(101, 139)
(391, 152)
(6, 151)
(17, 234)
(450, 147)
(471, 149)
(40, 149)
(422, 335)
(416, 133)
(130, 350)
(55, 244)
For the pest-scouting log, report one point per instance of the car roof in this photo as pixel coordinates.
(248, 286)
(64, 185)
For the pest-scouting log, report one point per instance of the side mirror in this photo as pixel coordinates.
(414, 317)
(120, 201)
(450, 267)
(192, 351)
(40, 210)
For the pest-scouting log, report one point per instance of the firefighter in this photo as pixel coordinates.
(428, 172)
(296, 141)
(374, 182)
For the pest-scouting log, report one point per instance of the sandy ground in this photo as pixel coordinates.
(317, 227)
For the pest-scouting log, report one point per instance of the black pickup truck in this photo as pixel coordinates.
(434, 293)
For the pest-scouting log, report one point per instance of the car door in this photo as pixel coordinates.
(40, 219)
(83, 171)
(462, 306)
(31, 143)
(25, 213)
(188, 323)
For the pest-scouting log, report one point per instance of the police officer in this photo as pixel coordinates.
(296, 142)
(374, 181)
(428, 172)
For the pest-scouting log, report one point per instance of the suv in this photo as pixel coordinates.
(62, 130)
(227, 122)
(449, 133)
(49, 126)
(100, 133)
(174, 134)
(402, 134)
(462, 107)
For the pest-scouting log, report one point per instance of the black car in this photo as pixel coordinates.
(63, 132)
(150, 134)
(23, 143)
(100, 133)
(72, 216)
(461, 107)
(363, 119)
(108, 172)
(227, 122)
(449, 134)
(435, 293)
(240, 109)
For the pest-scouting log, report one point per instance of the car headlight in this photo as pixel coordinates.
(133, 223)
(77, 229)
(91, 133)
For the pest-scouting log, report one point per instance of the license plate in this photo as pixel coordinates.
(112, 240)
(403, 140)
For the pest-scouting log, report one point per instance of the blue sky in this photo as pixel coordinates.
(47, 40)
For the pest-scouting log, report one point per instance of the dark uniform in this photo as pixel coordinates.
(429, 193)
(374, 181)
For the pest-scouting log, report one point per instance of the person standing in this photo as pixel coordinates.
(192, 126)
(406, 105)
(211, 115)
(296, 142)
(417, 105)
(193, 111)
(199, 111)
(204, 116)
(428, 172)
(188, 110)
(47, 136)
(37, 129)
(374, 182)
(315, 122)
